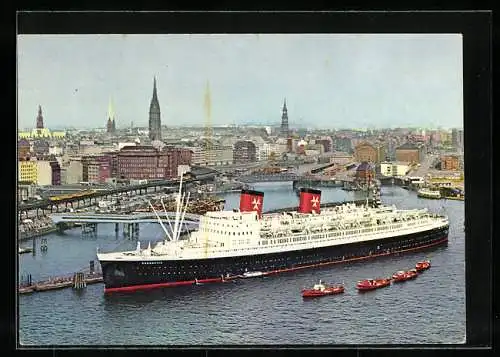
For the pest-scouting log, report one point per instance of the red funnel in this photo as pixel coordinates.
(310, 200)
(251, 201)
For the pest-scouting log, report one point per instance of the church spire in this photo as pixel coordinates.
(155, 95)
(39, 118)
(111, 125)
(284, 121)
(111, 111)
(154, 115)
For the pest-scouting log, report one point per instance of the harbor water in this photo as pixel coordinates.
(260, 311)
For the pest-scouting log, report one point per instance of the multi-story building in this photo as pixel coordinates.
(139, 162)
(457, 138)
(56, 172)
(412, 153)
(365, 151)
(445, 138)
(98, 168)
(147, 162)
(198, 155)
(25, 190)
(244, 151)
(272, 150)
(394, 168)
(23, 148)
(72, 172)
(450, 162)
(176, 157)
(27, 170)
(326, 143)
(214, 154)
(44, 173)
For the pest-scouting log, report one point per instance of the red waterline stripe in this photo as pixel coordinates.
(353, 259)
(160, 285)
(214, 280)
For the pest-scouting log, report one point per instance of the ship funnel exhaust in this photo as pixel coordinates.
(251, 201)
(310, 200)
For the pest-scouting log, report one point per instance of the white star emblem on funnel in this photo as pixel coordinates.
(315, 201)
(256, 203)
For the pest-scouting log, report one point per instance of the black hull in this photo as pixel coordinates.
(130, 275)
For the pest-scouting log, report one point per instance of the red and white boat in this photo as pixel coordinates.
(423, 265)
(372, 284)
(321, 289)
(404, 275)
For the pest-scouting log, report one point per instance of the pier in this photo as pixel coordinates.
(77, 281)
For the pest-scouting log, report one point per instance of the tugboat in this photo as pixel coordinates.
(321, 289)
(404, 275)
(372, 284)
(423, 265)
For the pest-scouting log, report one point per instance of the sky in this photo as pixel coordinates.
(328, 80)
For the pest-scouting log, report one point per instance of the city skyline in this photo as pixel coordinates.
(328, 80)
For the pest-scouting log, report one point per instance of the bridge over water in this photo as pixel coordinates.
(119, 218)
(282, 177)
(315, 180)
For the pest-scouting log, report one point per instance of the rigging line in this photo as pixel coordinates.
(166, 215)
(159, 220)
(183, 214)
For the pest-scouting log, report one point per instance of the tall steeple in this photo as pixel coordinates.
(154, 115)
(284, 121)
(39, 118)
(111, 125)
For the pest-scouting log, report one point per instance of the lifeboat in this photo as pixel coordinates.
(404, 275)
(321, 289)
(423, 265)
(372, 284)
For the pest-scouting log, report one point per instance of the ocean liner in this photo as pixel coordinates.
(245, 242)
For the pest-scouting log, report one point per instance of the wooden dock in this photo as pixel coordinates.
(59, 283)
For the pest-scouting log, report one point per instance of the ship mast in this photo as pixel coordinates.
(180, 203)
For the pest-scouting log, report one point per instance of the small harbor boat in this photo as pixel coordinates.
(427, 193)
(372, 284)
(423, 265)
(321, 289)
(404, 275)
(24, 250)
